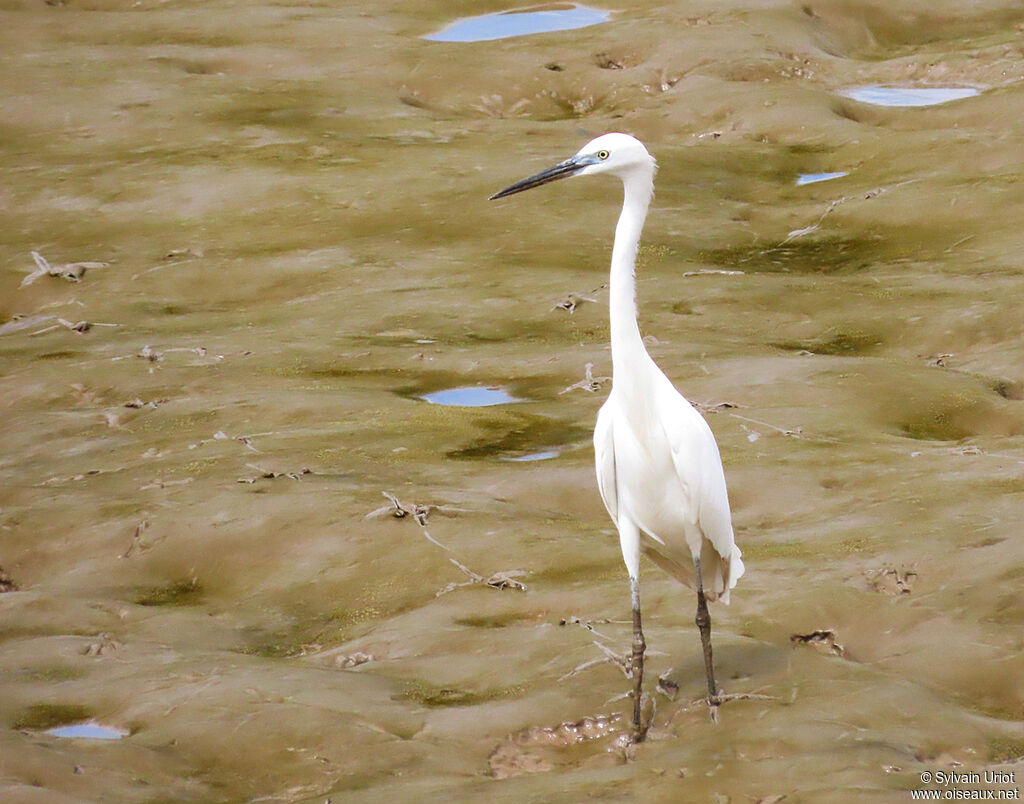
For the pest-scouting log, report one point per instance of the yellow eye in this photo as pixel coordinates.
(602, 154)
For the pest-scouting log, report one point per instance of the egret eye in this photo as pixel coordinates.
(602, 154)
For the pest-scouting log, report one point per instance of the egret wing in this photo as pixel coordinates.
(604, 460)
(699, 467)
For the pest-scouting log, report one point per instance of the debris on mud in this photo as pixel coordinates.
(714, 407)
(71, 271)
(794, 433)
(535, 749)
(570, 302)
(891, 579)
(138, 403)
(714, 271)
(419, 513)
(7, 583)
(572, 619)
(268, 475)
(183, 252)
(588, 383)
(79, 327)
(608, 61)
(136, 543)
(63, 479)
(833, 205)
(943, 760)
(663, 81)
(149, 353)
(500, 580)
(667, 687)
(106, 646)
(608, 656)
(399, 511)
(353, 660)
(157, 483)
(823, 640)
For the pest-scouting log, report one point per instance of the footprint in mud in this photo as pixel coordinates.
(823, 640)
(539, 749)
(891, 579)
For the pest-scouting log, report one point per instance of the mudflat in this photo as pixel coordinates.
(242, 536)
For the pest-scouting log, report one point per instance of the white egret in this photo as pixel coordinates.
(658, 467)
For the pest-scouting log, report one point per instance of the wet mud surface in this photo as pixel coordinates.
(235, 534)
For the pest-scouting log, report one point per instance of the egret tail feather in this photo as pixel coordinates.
(720, 574)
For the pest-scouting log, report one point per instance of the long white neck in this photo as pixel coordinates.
(628, 352)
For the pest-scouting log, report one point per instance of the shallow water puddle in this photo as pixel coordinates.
(520, 22)
(88, 731)
(908, 96)
(814, 178)
(471, 397)
(546, 455)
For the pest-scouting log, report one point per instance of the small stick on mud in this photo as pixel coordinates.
(264, 473)
(610, 657)
(795, 433)
(588, 383)
(499, 580)
(72, 271)
(570, 302)
(832, 207)
(157, 483)
(624, 662)
(574, 620)
(668, 687)
(718, 271)
(398, 510)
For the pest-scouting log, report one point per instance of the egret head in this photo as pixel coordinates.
(618, 154)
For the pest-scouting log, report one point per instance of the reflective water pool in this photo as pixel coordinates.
(814, 178)
(546, 455)
(908, 96)
(88, 731)
(471, 397)
(520, 22)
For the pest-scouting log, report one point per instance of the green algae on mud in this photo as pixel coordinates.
(40, 717)
(292, 205)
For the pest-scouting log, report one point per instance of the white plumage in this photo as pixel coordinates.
(658, 467)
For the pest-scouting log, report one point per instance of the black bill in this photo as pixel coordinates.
(570, 167)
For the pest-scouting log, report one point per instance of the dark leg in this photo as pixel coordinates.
(703, 621)
(637, 663)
